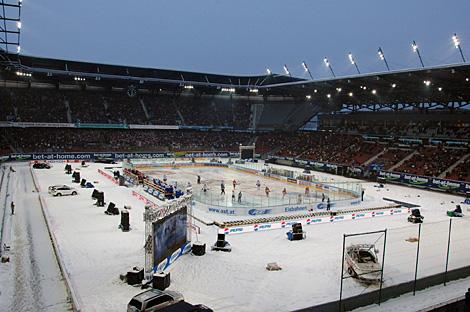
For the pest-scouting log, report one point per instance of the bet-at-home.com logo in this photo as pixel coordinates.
(416, 180)
(390, 175)
(443, 184)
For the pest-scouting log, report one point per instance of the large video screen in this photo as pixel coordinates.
(169, 234)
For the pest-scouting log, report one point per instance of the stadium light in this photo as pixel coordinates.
(440, 89)
(18, 25)
(339, 89)
(353, 62)
(327, 63)
(415, 48)
(427, 83)
(230, 90)
(269, 71)
(254, 90)
(350, 94)
(394, 85)
(381, 54)
(18, 49)
(374, 91)
(308, 97)
(286, 70)
(328, 95)
(456, 41)
(304, 65)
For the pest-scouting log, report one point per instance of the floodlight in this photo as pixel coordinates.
(456, 41)
(327, 63)
(414, 46)
(381, 54)
(351, 58)
(286, 70)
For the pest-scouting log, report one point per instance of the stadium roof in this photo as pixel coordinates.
(449, 83)
(441, 84)
(62, 69)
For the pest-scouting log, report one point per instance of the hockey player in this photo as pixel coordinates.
(240, 197)
(198, 179)
(222, 188)
(267, 191)
(307, 191)
(322, 197)
(258, 184)
(164, 178)
(233, 195)
(204, 188)
(284, 193)
(12, 206)
(234, 182)
(189, 188)
(299, 198)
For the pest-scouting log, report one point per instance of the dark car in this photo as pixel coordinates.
(41, 166)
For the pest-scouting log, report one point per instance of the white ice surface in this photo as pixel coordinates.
(96, 251)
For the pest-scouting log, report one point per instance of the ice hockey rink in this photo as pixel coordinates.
(93, 251)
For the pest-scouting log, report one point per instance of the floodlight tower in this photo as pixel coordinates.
(381, 54)
(304, 65)
(327, 64)
(10, 25)
(352, 60)
(456, 41)
(415, 48)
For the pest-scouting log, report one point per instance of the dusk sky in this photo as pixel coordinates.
(247, 36)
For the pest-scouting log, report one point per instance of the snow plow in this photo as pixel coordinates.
(362, 262)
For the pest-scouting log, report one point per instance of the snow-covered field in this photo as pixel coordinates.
(95, 251)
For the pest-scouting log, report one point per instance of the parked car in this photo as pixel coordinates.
(362, 262)
(61, 190)
(153, 300)
(41, 165)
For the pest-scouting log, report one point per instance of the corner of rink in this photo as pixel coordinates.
(95, 251)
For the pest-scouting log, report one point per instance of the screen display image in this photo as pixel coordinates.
(169, 234)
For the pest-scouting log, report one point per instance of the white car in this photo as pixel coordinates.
(362, 262)
(60, 190)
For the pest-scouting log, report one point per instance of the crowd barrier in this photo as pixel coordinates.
(108, 176)
(144, 199)
(326, 218)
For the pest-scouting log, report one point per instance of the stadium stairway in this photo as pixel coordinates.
(453, 166)
(144, 108)
(401, 162)
(67, 109)
(367, 162)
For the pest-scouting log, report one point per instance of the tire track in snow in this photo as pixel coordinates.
(38, 282)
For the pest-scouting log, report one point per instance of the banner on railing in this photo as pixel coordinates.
(422, 181)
